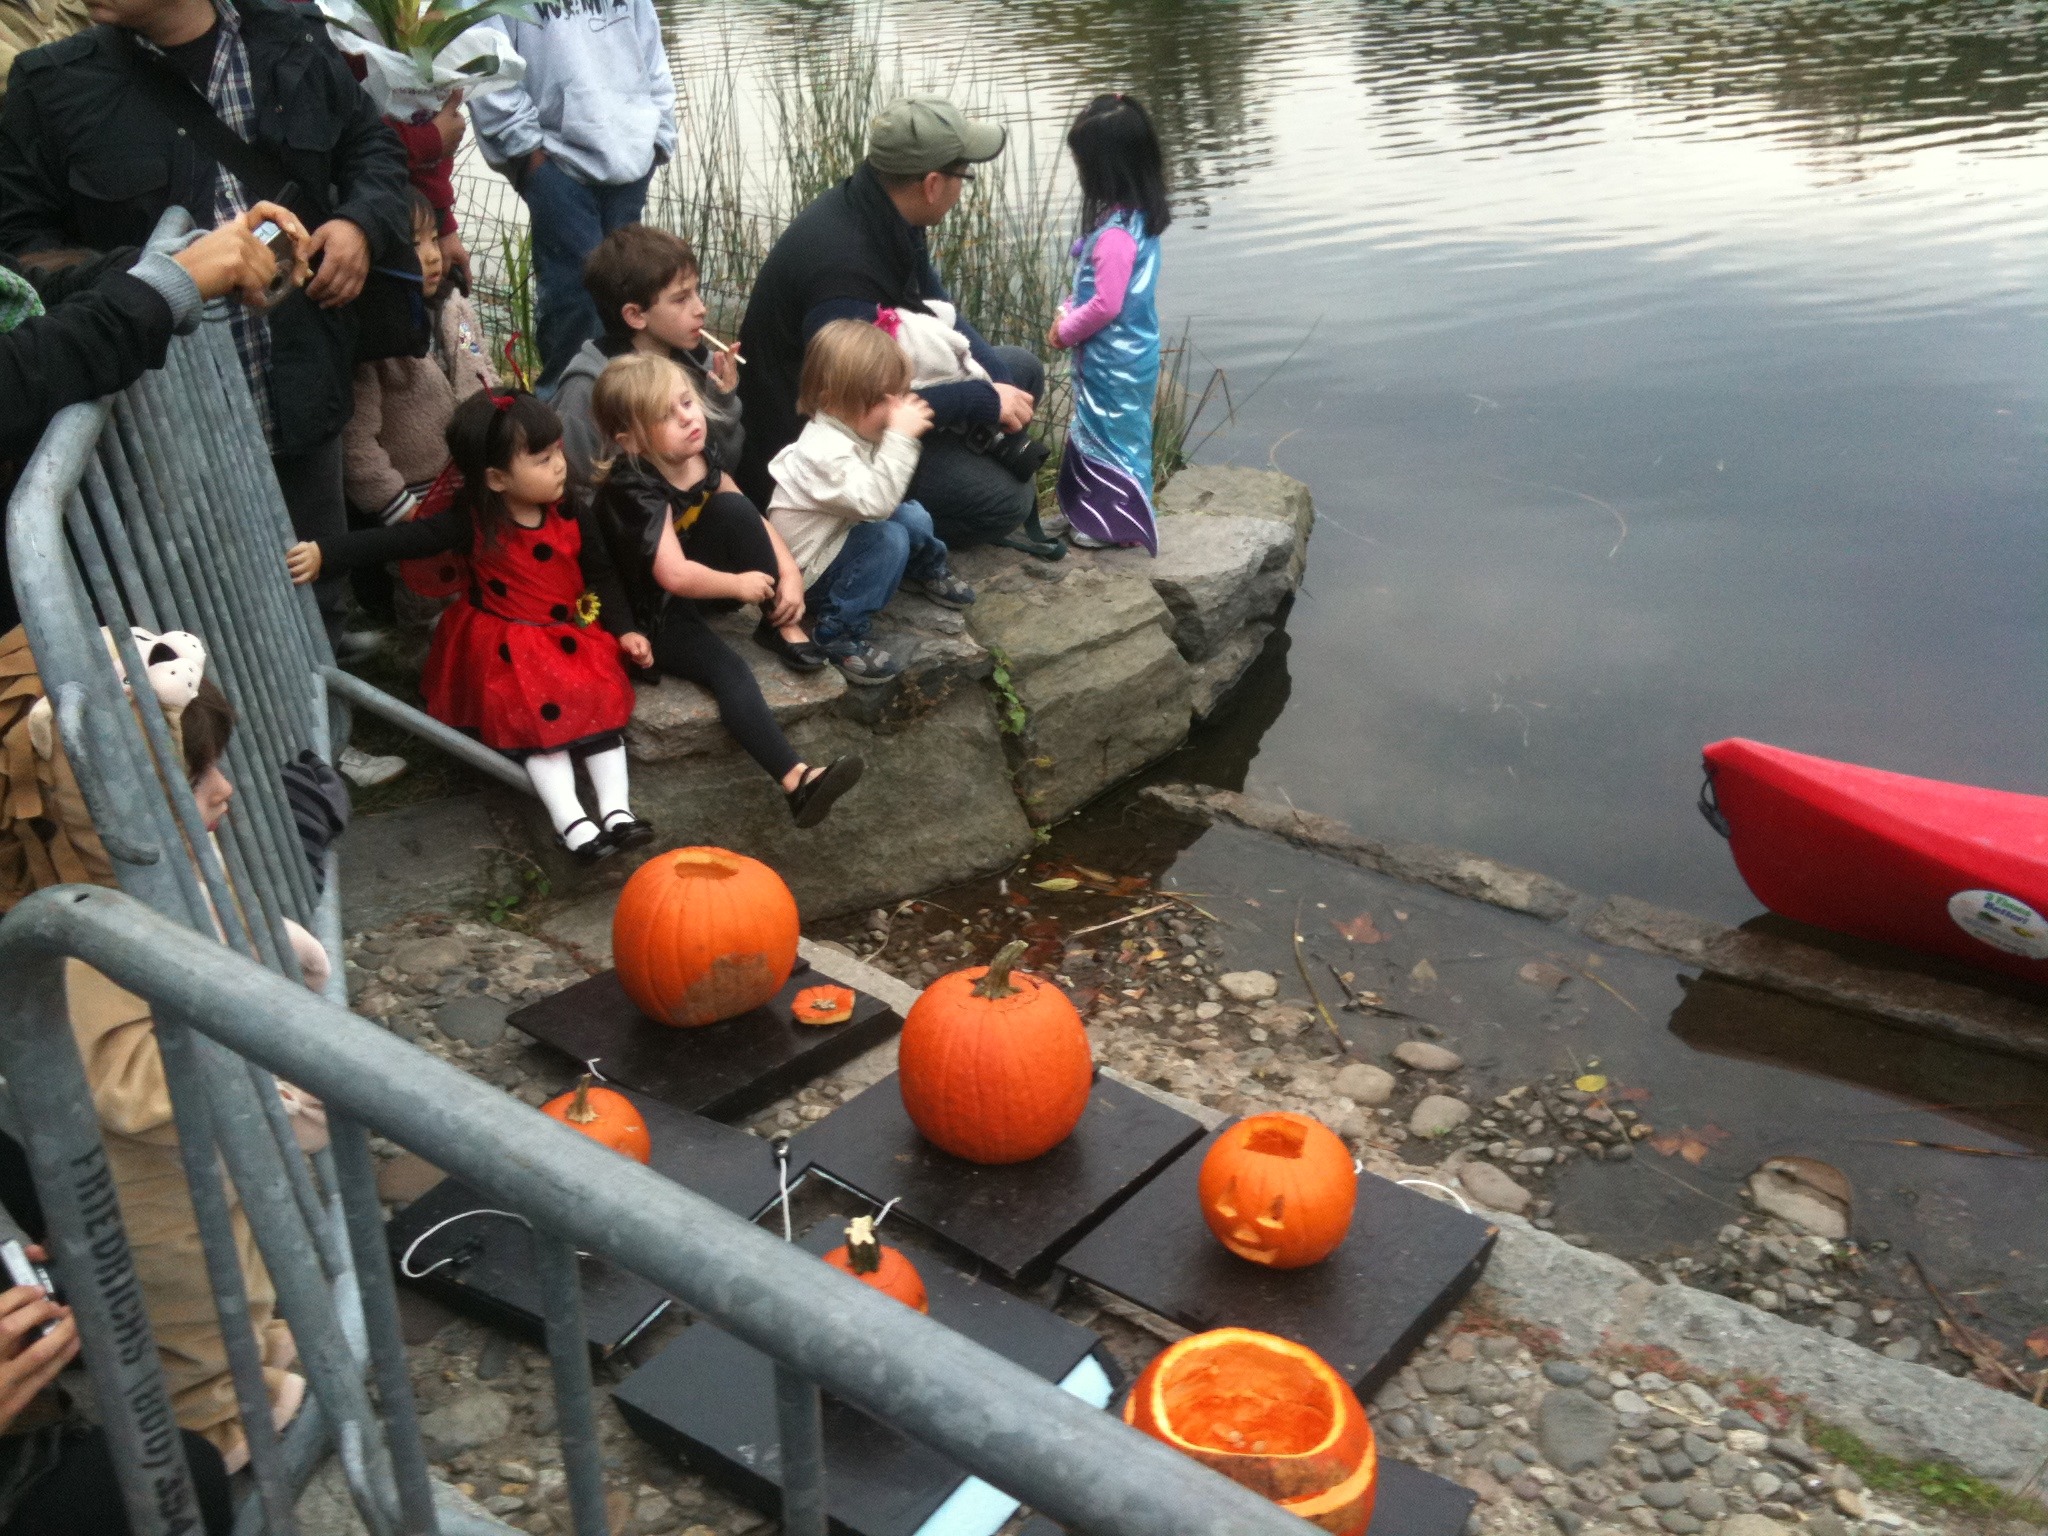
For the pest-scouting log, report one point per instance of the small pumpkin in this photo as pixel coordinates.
(994, 1066)
(865, 1257)
(1278, 1190)
(606, 1117)
(701, 934)
(1268, 1414)
(822, 1005)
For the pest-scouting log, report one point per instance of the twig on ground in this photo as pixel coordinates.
(1301, 965)
(1365, 1002)
(1978, 1347)
(1118, 922)
(1943, 1146)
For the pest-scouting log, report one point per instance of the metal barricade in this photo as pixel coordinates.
(995, 1418)
(158, 507)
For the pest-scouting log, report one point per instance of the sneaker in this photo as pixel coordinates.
(866, 663)
(366, 770)
(945, 589)
(357, 644)
(1082, 540)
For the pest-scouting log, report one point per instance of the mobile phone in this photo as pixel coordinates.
(21, 1269)
(286, 250)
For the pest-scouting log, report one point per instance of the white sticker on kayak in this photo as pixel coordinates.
(2002, 922)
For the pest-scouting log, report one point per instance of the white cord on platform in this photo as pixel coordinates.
(405, 1259)
(1432, 1184)
(782, 1186)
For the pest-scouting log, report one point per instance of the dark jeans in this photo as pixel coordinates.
(865, 573)
(972, 499)
(311, 483)
(570, 217)
(729, 535)
(80, 1497)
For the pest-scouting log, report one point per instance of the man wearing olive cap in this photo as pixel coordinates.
(861, 247)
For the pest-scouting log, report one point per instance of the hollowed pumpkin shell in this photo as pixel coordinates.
(822, 1005)
(994, 1068)
(1268, 1414)
(1278, 1190)
(701, 934)
(607, 1118)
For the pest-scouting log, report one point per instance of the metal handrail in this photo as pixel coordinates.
(1024, 1435)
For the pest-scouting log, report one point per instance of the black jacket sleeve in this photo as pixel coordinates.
(413, 540)
(103, 330)
(600, 575)
(370, 174)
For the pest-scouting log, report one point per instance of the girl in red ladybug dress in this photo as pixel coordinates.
(529, 664)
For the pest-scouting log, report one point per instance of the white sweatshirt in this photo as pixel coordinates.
(831, 478)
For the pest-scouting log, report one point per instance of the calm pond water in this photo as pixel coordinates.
(1663, 372)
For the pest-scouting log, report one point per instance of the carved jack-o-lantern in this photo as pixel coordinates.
(1278, 1190)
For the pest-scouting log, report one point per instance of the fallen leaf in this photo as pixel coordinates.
(1633, 1095)
(1252, 901)
(1058, 883)
(1156, 956)
(1360, 930)
(2037, 1343)
(1400, 916)
(1040, 928)
(1130, 885)
(1592, 1082)
(1085, 998)
(1134, 993)
(1094, 874)
(1540, 973)
(1019, 899)
(1692, 1145)
(1423, 975)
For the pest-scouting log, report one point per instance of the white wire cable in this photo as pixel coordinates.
(782, 1186)
(883, 1214)
(405, 1259)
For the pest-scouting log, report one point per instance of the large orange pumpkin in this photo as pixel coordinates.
(1269, 1414)
(1278, 1190)
(701, 934)
(607, 1118)
(864, 1257)
(994, 1067)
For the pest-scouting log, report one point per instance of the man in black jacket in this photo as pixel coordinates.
(861, 246)
(102, 323)
(88, 157)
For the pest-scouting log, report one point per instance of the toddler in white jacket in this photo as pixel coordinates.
(839, 496)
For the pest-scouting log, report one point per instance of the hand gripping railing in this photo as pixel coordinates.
(1024, 1435)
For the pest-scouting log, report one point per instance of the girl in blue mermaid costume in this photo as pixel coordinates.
(1112, 323)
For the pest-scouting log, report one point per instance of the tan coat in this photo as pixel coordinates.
(26, 24)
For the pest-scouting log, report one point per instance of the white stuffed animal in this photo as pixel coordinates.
(938, 353)
(175, 661)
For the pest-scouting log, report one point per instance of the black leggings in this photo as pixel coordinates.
(729, 535)
(80, 1497)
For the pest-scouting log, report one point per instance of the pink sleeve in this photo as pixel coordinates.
(1114, 255)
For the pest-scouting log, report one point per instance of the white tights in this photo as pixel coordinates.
(554, 780)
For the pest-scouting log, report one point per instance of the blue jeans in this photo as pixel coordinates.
(569, 218)
(865, 573)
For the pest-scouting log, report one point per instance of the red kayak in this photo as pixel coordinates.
(1947, 869)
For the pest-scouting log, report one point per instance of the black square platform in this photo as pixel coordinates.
(1411, 1502)
(497, 1280)
(1016, 1217)
(724, 1070)
(711, 1399)
(1364, 1309)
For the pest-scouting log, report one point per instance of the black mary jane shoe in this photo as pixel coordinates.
(633, 832)
(599, 847)
(803, 657)
(811, 800)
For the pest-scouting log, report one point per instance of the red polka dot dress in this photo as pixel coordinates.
(522, 663)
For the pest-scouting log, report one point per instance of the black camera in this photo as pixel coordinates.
(1018, 452)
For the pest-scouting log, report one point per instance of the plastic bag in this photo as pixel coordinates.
(409, 88)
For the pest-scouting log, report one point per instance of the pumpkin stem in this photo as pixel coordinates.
(863, 1251)
(580, 1112)
(997, 982)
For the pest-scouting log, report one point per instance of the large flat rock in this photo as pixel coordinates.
(1232, 490)
(1037, 622)
(1096, 716)
(1216, 574)
(883, 840)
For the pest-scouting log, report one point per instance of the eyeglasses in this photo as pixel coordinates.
(959, 175)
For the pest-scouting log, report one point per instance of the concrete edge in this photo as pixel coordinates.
(1927, 1005)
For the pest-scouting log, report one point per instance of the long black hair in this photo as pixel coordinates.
(486, 432)
(1117, 155)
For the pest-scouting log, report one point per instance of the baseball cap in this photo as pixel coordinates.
(914, 135)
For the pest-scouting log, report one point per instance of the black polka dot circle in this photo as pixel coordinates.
(568, 645)
(543, 551)
(504, 652)
(559, 613)
(498, 588)
(551, 712)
